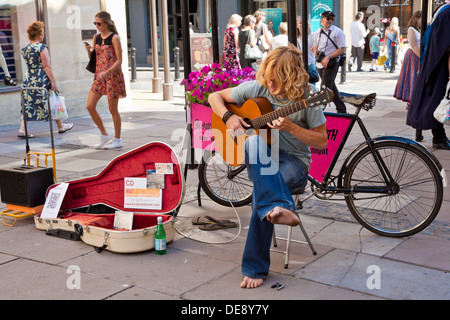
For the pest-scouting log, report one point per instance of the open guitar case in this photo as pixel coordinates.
(88, 209)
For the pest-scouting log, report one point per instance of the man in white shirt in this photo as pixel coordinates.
(329, 46)
(281, 39)
(358, 32)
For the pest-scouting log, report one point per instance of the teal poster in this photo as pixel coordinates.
(273, 19)
(317, 7)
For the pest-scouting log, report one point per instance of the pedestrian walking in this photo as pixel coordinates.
(358, 34)
(374, 46)
(433, 78)
(39, 74)
(231, 42)
(391, 38)
(108, 79)
(247, 35)
(329, 46)
(281, 39)
(262, 33)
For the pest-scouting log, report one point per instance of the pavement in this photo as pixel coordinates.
(351, 262)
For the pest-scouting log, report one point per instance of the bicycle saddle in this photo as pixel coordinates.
(366, 101)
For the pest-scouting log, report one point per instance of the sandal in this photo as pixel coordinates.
(21, 135)
(202, 220)
(66, 127)
(9, 82)
(226, 224)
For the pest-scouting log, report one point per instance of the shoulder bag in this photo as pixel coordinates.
(93, 60)
(252, 53)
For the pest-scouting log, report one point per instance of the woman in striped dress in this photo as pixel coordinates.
(410, 67)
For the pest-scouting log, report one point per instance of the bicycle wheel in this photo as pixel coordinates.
(416, 196)
(224, 183)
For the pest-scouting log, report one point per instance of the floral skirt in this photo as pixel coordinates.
(408, 77)
(113, 87)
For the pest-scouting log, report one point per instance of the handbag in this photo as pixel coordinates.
(442, 112)
(92, 62)
(252, 53)
(58, 106)
(262, 43)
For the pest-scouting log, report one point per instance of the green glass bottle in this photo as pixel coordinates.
(160, 238)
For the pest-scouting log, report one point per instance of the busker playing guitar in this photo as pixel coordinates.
(281, 79)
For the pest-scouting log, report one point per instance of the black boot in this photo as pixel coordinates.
(419, 136)
(9, 82)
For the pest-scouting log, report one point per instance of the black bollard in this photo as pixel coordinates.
(393, 56)
(343, 71)
(176, 57)
(133, 65)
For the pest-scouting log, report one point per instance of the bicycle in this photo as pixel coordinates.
(393, 186)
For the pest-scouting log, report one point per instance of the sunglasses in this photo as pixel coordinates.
(97, 23)
(330, 18)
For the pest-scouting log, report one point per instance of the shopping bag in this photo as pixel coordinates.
(252, 53)
(58, 106)
(262, 43)
(442, 112)
(382, 59)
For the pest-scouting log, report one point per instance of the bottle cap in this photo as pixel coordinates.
(159, 219)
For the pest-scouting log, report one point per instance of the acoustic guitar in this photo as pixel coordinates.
(257, 113)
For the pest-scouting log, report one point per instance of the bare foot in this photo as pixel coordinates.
(251, 283)
(283, 216)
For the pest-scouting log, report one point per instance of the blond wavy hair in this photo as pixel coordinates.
(285, 66)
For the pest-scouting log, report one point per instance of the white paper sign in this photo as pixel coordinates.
(53, 202)
(137, 196)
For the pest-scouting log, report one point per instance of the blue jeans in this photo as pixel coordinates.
(272, 187)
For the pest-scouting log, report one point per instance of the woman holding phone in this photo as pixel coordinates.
(108, 80)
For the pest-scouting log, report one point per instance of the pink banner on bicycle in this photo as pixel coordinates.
(321, 158)
(202, 136)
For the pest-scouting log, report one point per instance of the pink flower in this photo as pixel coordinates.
(200, 84)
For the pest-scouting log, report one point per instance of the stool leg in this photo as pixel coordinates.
(274, 238)
(288, 247)
(307, 238)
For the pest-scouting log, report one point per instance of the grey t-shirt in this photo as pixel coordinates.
(308, 118)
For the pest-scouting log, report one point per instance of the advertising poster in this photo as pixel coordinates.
(317, 7)
(321, 158)
(202, 135)
(273, 19)
(201, 50)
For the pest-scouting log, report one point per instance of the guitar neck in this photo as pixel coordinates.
(322, 97)
(280, 112)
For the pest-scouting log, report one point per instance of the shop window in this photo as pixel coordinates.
(6, 43)
(14, 21)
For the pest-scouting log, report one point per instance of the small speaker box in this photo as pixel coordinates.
(25, 185)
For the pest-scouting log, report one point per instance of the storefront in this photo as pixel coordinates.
(68, 23)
